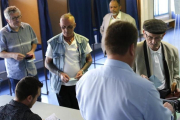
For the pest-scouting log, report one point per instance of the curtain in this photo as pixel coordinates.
(81, 10)
(4, 5)
(131, 9)
(45, 24)
(101, 8)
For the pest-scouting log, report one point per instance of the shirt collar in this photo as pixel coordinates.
(117, 63)
(15, 103)
(10, 30)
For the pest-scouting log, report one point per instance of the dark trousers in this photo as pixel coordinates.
(67, 97)
(14, 83)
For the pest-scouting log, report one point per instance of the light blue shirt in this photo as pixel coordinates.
(18, 42)
(115, 92)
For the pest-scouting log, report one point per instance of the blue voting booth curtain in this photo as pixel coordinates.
(81, 10)
(45, 23)
(4, 5)
(101, 8)
(131, 9)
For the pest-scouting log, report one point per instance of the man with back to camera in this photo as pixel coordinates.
(109, 18)
(157, 58)
(17, 40)
(114, 91)
(67, 58)
(26, 93)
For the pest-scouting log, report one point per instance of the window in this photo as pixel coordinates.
(161, 7)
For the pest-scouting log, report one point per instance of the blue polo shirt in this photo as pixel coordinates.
(19, 42)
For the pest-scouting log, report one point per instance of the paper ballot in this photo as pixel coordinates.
(155, 80)
(52, 117)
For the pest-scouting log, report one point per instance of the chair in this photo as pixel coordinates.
(1, 80)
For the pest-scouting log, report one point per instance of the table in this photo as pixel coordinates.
(44, 110)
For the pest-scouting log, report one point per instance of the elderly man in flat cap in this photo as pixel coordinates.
(157, 60)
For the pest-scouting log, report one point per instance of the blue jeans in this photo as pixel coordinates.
(14, 83)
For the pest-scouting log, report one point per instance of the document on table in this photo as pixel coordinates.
(52, 117)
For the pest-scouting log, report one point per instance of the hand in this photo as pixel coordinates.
(174, 87)
(144, 76)
(64, 77)
(79, 74)
(169, 106)
(18, 56)
(31, 53)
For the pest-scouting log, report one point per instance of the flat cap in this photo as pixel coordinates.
(155, 26)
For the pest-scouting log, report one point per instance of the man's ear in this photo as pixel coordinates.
(29, 98)
(132, 49)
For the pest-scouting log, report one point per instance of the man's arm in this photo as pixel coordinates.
(85, 67)
(16, 56)
(52, 68)
(102, 27)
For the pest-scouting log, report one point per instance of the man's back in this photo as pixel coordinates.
(115, 92)
(17, 111)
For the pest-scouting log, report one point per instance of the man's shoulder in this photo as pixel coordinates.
(107, 15)
(56, 37)
(127, 15)
(33, 116)
(168, 45)
(81, 37)
(23, 24)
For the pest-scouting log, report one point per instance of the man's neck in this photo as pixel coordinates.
(15, 29)
(69, 39)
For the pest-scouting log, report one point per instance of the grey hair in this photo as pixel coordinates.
(67, 16)
(9, 10)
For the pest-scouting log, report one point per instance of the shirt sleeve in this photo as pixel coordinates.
(49, 52)
(155, 104)
(3, 46)
(33, 36)
(34, 117)
(88, 49)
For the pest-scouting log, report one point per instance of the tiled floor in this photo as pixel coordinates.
(99, 60)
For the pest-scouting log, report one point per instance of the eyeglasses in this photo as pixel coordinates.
(67, 27)
(16, 18)
(151, 38)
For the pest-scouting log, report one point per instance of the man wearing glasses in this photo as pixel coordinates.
(67, 58)
(157, 60)
(17, 42)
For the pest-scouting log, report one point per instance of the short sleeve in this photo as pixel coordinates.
(88, 49)
(33, 36)
(49, 52)
(3, 46)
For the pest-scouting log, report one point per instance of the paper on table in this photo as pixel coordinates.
(52, 117)
(155, 80)
(72, 79)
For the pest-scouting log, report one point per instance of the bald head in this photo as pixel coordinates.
(67, 16)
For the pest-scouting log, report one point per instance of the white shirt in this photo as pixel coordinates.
(115, 92)
(158, 67)
(118, 17)
(71, 64)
